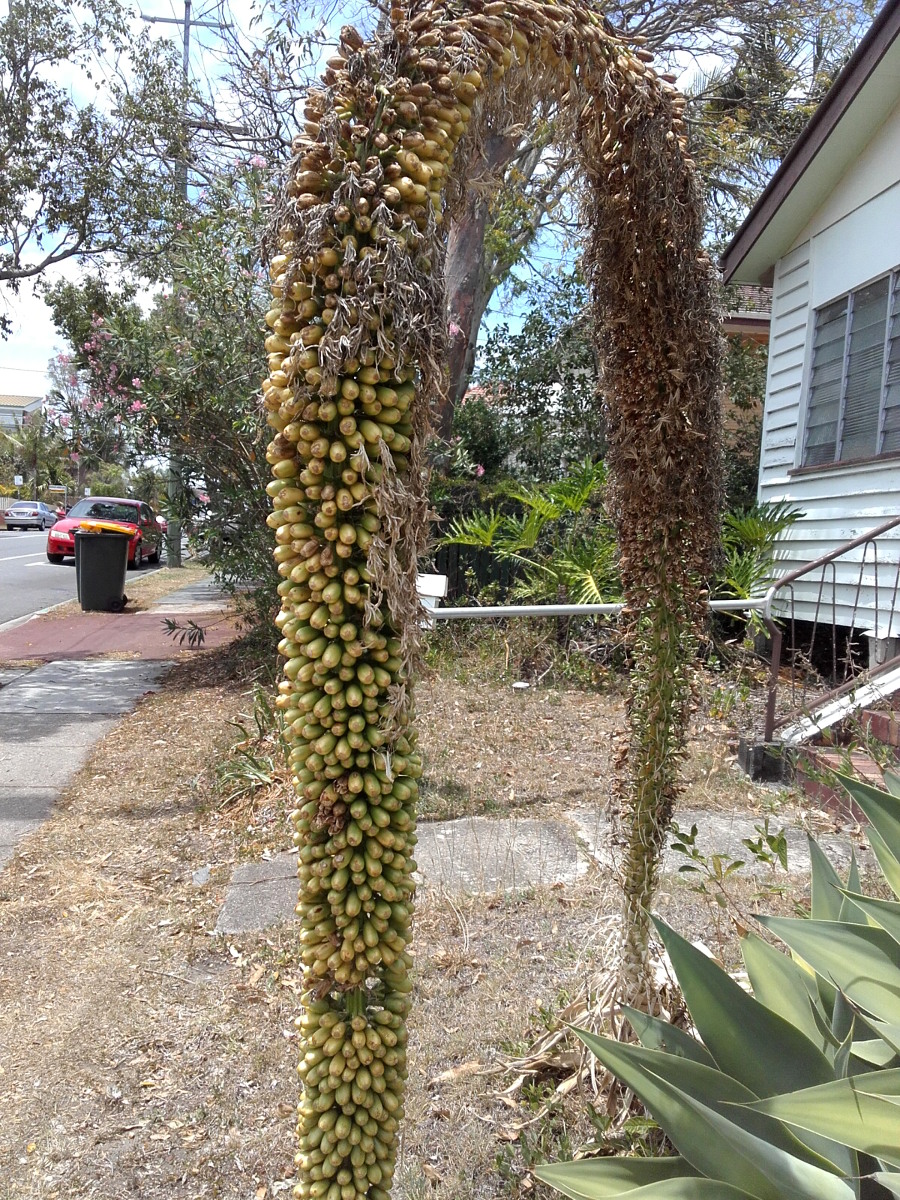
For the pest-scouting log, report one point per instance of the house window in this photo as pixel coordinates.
(854, 385)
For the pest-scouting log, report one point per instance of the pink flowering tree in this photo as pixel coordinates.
(183, 378)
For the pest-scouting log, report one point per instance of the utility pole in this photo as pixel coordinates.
(174, 484)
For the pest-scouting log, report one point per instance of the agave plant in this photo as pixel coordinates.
(791, 1092)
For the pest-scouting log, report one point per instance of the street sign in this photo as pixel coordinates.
(18, 480)
(87, 491)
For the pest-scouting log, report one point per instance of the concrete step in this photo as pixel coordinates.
(879, 687)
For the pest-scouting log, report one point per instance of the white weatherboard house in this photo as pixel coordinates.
(825, 235)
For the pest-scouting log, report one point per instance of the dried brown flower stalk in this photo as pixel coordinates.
(356, 358)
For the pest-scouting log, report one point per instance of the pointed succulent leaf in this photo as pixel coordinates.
(849, 912)
(881, 809)
(889, 1033)
(862, 1111)
(825, 902)
(562, 1175)
(889, 863)
(779, 983)
(660, 1035)
(883, 913)
(714, 1090)
(721, 1149)
(873, 1052)
(842, 1054)
(841, 1019)
(748, 1041)
(889, 1180)
(892, 782)
(593, 1178)
(858, 959)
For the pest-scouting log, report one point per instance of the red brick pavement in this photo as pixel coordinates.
(97, 634)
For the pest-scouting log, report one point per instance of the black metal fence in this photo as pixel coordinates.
(472, 573)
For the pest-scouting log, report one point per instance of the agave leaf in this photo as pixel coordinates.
(748, 1041)
(593, 1178)
(825, 903)
(883, 913)
(892, 782)
(876, 1052)
(686, 1187)
(858, 959)
(710, 1087)
(716, 1146)
(881, 808)
(779, 984)
(862, 1111)
(889, 863)
(655, 1034)
(842, 1054)
(849, 911)
(888, 1033)
(889, 1180)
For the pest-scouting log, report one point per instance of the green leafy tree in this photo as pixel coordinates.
(748, 111)
(34, 450)
(91, 131)
(543, 381)
(183, 377)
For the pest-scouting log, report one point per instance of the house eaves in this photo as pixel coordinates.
(857, 103)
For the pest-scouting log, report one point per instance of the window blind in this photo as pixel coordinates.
(854, 383)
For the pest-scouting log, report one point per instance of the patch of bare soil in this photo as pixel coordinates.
(142, 1055)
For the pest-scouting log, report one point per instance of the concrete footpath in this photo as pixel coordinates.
(92, 670)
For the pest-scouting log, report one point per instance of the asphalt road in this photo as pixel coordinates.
(28, 583)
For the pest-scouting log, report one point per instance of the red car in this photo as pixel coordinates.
(146, 540)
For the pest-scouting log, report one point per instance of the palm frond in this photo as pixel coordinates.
(758, 528)
(474, 529)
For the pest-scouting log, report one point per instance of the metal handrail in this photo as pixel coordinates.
(787, 581)
(487, 611)
(823, 560)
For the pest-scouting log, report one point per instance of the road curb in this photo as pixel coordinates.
(16, 621)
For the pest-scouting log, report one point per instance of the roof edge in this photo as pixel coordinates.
(849, 83)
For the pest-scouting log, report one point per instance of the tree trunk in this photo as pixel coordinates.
(468, 273)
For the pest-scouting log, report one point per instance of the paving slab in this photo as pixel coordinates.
(8, 674)
(52, 717)
(260, 895)
(472, 855)
(205, 596)
(99, 688)
(722, 833)
(478, 856)
(21, 812)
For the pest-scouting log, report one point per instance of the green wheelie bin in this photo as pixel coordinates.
(101, 562)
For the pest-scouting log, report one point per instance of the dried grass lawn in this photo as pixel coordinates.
(140, 1055)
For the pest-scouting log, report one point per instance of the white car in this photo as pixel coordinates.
(30, 514)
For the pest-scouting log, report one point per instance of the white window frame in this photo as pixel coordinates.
(893, 278)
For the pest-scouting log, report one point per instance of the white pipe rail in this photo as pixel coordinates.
(497, 611)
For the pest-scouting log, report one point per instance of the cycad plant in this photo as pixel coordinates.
(749, 539)
(561, 541)
(791, 1092)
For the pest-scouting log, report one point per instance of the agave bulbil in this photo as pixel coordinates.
(355, 358)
